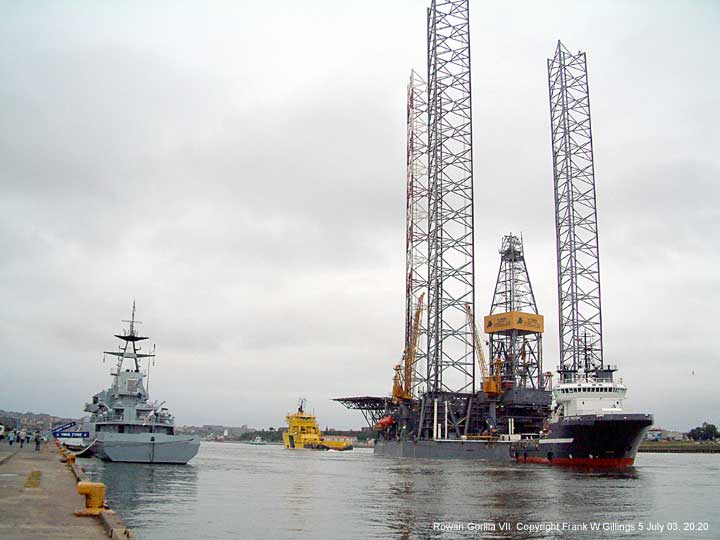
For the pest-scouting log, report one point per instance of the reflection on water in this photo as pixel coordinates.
(247, 492)
(136, 487)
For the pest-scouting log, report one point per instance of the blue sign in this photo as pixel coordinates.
(72, 434)
(64, 427)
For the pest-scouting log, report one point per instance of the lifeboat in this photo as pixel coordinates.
(385, 423)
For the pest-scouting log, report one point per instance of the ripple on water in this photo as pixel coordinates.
(247, 492)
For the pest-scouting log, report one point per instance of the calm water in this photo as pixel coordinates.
(266, 492)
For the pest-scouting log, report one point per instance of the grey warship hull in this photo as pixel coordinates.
(138, 448)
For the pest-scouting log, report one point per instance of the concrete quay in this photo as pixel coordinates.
(39, 498)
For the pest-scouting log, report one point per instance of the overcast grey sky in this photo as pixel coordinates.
(237, 168)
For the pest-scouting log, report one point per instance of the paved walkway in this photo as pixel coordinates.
(38, 496)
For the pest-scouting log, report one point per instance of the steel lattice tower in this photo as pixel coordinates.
(416, 244)
(575, 214)
(451, 278)
(520, 351)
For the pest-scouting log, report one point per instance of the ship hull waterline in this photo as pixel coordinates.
(444, 449)
(592, 441)
(170, 449)
(610, 441)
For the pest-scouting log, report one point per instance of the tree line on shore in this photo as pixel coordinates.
(706, 432)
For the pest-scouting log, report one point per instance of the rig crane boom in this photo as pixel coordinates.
(402, 382)
(490, 382)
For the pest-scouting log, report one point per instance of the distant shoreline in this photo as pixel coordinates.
(679, 447)
(650, 447)
(278, 443)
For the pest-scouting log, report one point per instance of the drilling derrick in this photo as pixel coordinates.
(514, 325)
(416, 268)
(451, 279)
(578, 261)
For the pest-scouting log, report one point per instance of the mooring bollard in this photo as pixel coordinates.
(94, 498)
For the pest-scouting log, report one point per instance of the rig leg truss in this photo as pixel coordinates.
(575, 213)
(450, 349)
(416, 261)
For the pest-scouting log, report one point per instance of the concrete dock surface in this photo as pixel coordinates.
(38, 497)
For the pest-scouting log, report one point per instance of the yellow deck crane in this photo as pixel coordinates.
(490, 382)
(402, 381)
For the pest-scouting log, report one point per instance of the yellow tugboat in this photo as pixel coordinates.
(303, 432)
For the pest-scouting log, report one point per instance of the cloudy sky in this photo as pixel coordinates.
(237, 169)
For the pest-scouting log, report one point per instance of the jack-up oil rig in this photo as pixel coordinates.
(436, 408)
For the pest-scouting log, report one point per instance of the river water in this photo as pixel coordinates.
(240, 491)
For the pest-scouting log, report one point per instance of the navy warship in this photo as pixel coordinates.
(124, 424)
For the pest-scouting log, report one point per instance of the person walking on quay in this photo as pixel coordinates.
(21, 438)
(11, 437)
(38, 438)
(28, 436)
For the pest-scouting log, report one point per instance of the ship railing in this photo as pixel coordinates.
(481, 437)
(121, 418)
(110, 418)
(158, 420)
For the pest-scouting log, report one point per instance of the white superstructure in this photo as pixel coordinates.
(588, 396)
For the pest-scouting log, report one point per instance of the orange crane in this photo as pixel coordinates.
(490, 383)
(402, 381)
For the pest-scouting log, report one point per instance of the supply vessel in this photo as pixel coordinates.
(303, 432)
(588, 425)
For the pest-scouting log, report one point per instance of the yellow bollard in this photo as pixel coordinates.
(70, 459)
(94, 498)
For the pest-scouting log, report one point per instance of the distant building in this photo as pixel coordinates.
(30, 420)
(237, 431)
(660, 434)
(9, 423)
